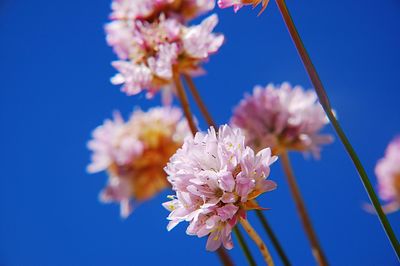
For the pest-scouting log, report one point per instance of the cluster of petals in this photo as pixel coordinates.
(388, 173)
(134, 153)
(216, 179)
(152, 51)
(150, 9)
(238, 4)
(283, 118)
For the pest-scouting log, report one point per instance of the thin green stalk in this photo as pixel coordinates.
(244, 246)
(323, 98)
(274, 239)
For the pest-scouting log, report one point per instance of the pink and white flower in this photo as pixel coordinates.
(150, 9)
(387, 171)
(216, 178)
(152, 53)
(238, 4)
(134, 153)
(283, 118)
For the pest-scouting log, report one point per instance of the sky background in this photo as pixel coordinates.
(55, 89)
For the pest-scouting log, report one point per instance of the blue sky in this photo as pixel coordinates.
(54, 89)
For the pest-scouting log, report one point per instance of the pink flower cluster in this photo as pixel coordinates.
(134, 153)
(388, 173)
(238, 4)
(150, 9)
(282, 117)
(216, 178)
(153, 42)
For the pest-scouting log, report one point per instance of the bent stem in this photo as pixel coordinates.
(245, 248)
(199, 101)
(185, 103)
(301, 208)
(258, 241)
(272, 236)
(323, 98)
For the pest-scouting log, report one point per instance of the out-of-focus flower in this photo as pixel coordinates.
(283, 118)
(150, 9)
(152, 53)
(134, 153)
(388, 173)
(238, 4)
(216, 178)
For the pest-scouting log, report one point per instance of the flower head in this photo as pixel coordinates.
(282, 117)
(388, 173)
(150, 9)
(238, 4)
(151, 53)
(216, 178)
(134, 153)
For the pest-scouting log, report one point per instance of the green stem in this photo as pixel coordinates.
(274, 239)
(244, 246)
(323, 98)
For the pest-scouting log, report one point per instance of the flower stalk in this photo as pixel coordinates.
(258, 241)
(199, 101)
(224, 257)
(244, 246)
(273, 238)
(324, 100)
(301, 208)
(185, 103)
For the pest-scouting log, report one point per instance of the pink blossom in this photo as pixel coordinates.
(134, 153)
(216, 177)
(151, 53)
(388, 173)
(238, 4)
(199, 41)
(282, 117)
(149, 9)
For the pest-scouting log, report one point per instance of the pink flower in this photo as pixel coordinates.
(134, 153)
(238, 4)
(199, 41)
(216, 177)
(282, 117)
(388, 173)
(150, 9)
(152, 53)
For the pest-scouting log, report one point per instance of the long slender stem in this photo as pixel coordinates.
(224, 257)
(185, 103)
(199, 101)
(323, 98)
(274, 239)
(244, 246)
(301, 208)
(258, 241)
